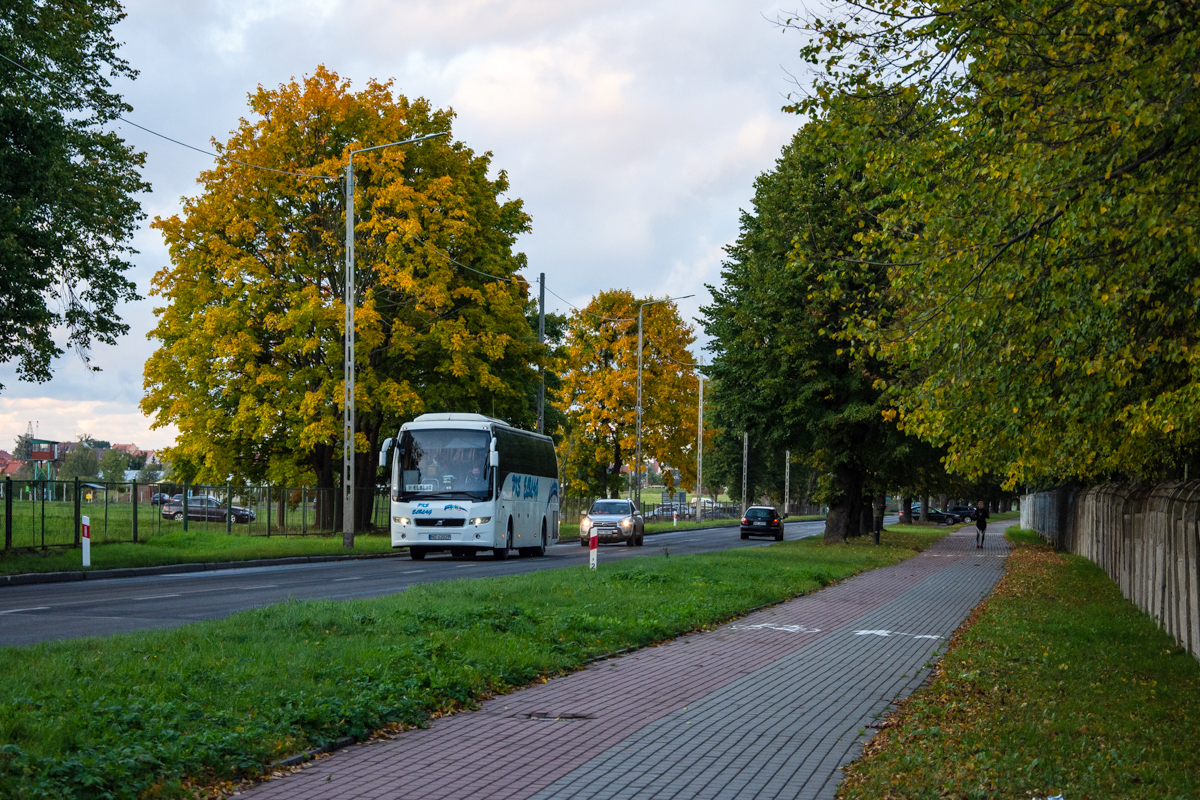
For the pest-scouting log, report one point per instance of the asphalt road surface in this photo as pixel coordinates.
(50, 611)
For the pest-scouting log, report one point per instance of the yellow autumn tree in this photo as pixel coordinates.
(251, 334)
(600, 392)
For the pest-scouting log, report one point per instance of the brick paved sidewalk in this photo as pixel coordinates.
(772, 705)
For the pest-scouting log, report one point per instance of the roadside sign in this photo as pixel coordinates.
(86, 538)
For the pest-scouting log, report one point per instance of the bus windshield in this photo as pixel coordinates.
(442, 463)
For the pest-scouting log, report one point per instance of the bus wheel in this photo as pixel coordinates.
(540, 550)
(501, 553)
(417, 553)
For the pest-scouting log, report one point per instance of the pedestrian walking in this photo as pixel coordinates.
(981, 516)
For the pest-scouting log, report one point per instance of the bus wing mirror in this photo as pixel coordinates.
(384, 451)
(494, 458)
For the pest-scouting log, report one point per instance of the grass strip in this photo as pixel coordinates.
(1056, 685)
(152, 714)
(191, 547)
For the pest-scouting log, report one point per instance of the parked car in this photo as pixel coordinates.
(668, 511)
(613, 521)
(207, 508)
(936, 515)
(762, 521)
(158, 498)
(966, 512)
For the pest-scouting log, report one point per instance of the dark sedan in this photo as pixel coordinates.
(762, 521)
(937, 515)
(206, 508)
(966, 512)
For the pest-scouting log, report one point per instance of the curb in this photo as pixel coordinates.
(26, 578)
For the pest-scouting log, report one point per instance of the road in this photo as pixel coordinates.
(51, 611)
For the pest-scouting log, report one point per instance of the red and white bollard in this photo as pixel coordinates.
(674, 519)
(592, 542)
(86, 535)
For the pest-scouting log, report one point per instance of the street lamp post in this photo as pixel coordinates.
(348, 517)
(700, 445)
(637, 478)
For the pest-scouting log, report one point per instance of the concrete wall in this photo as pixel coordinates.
(1147, 538)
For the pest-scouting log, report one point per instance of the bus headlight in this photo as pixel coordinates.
(480, 520)
(400, 520)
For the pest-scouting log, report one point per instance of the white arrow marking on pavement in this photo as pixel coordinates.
(787, 628)
(896, 633)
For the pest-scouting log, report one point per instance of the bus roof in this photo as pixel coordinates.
(465, 420)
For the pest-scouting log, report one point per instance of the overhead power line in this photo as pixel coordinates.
(217, 156)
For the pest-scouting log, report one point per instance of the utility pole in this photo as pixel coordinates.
(787, 480)
(541, 341)
(700, 447)
(745, 464)
(638, 458)
(348, 426)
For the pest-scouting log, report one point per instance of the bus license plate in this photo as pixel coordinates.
(439, 537)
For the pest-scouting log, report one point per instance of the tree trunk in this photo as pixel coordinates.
(864, 516)
(812, 482)
(613, 490)
(843, 520)
(943, 504)
(906, 510)
(326, 517)
(924, 508)
(880, 507)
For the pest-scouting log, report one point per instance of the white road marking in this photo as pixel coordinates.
(19, 610)
(264, 586)
(786, 628)
(337, 580)
(157, 596)
(412, 571)
(896, 633)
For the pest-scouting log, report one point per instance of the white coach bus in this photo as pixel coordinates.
(466, 482)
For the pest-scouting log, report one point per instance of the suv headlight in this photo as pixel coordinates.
(625, 523)
(585, 524)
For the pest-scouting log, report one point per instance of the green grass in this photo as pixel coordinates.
(52, 523)
(1059, 686)
(192, 547)
(149, 714)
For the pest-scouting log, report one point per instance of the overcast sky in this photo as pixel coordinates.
(633, 131)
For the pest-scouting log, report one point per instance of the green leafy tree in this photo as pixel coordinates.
(113, 465)
(151, 472)
(82, 462)
(600, 392)
(251, 336)
(782, 370)
(67, 183)
(1040, 224)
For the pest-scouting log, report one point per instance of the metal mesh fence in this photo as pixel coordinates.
(45, 514)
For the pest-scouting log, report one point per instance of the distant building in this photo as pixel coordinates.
(11, 467)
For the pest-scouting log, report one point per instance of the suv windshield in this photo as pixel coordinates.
(442, 463)
(610, 507)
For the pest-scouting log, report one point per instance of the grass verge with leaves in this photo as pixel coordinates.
(1056, 685)
(149, 714)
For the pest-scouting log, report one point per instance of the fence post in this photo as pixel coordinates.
(304, 508)
(228, 509)
(77, 518)
(187, 491)
(8, 506)
(133, 501)
(268, 510)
